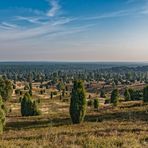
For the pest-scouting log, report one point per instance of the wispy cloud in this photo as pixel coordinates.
(7, 26)
(54, 8)
(49, 24)
(32, 20)
(118, 13)
(49, 28)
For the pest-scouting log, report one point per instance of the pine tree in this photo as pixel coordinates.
(30, 88)
(78, 102)
(28, 106)
(6, 89)
(2, 116)
(127, 95)
(96, 103)
(115, 97)
(145, 94)
(102, 94)
(51, 95)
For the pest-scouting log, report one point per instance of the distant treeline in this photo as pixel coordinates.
(107, 72)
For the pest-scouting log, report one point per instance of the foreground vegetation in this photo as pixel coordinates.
(122, 126)
(108, 107)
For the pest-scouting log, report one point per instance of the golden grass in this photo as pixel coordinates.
(125, 126)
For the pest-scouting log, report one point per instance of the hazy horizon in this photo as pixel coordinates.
(74, 31)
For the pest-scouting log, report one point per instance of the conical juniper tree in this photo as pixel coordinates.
(6, 89)
(127, 95)
(2, 116)
(145, 94)
(28, 106)
(96, 104)
(115, 97)
(78, 102)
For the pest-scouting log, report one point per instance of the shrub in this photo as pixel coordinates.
(78, 102)
(30, 88)
(63, 93)
(102, 94)
(145, 94)
(20, 99)
(2, 115)
(107, 101)
(55, 93)
(17, 91)
(127, 95)
(6, 89)
(90, 103)
(41, 92)
(96, 103)
(115, 97)
(51, 95)
(28, 106)
(136, 94)
(21, 92)
(26, 87)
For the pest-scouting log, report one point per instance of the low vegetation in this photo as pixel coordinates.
(78, 107)
(28, 106)
(2, 115)
(78, 103)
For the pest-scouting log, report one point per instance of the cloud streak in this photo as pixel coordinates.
(11, 32)
(54, 8)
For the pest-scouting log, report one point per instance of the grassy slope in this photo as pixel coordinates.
(124, 126)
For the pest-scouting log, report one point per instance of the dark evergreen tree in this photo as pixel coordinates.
(78, 102)
(6, 89)
(127, 95)
(102, 94)
(2, 115)
(96, 103)
(145, 94)
(115, 97)
(90, 103)
(63, 93)
(51, 95)
(30, 88)
(28, 106)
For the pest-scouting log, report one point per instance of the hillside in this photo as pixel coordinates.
(109, 127)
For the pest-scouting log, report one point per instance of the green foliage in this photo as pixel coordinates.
(28, 106)
(6, 89)
(107, 101)
(96, 103)
(20, 99)
(51, 95)
(60, 86)
(21, 92)
(127, 95)
(17, 91)
(90, 103)
(78, 102)
(26, 87)
(42, 91)
(30, 88)
(145, 94)
(63, 93)
(136, 94)
(115, 97)
(2, 115)
(102, 94)
(55, 93)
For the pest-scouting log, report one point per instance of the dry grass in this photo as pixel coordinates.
(125, 126)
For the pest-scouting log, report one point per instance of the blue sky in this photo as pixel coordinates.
(73, 30)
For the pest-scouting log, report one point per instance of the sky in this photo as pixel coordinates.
(74, 30)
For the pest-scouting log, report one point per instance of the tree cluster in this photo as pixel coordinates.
(28, 106)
